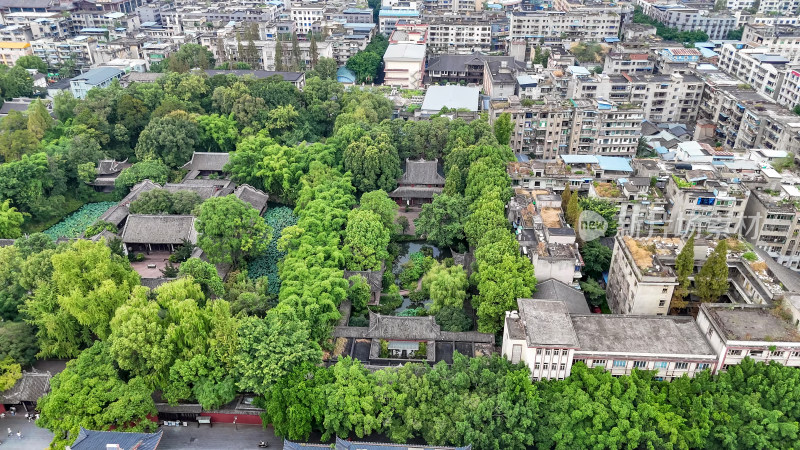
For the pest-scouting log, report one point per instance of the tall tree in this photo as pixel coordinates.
(10, 221)
(442, 221)
(446, 286)
(596, 258)
(279, 55)
(684, 267)
(374, 163)
(271, 348)
(380, 203)
(230, 230)
(712, 279)
(503, 128)
(89, 393)
(171, 138)
(313, 52)
(365, 240)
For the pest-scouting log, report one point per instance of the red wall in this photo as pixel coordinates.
(228, 418)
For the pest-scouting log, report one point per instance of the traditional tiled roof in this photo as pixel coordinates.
(29, 388)
(553, 289)
(166, 229)
(251, 195)
(110, 166)
(421, 172)
(207, 161)
(116, 214)
(415, 192)
(403, 328)
(98, 440)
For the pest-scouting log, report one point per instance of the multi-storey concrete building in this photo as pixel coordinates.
(556, 26)
(388, 17)
(42, 25)
(761, 332)
(703, 203)
(642, 206)
(638, 63)
(664, 98)
(781, 39)
(543, 235)
(404, 65)
(452, 6)
(461, 34)
(10, 52)
(549, 340)
(715, 24)
(83, 50)
(580, 126)
(746, 119)
(789, 92)
(638, 282)
(307, 18)
(762, 70)
(772, 223)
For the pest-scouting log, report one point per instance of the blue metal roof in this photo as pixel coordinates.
(522, 158)
(615, 163)
(707, 53)
(93, 30)
(611, 39)
(98, 75)
(345, 75)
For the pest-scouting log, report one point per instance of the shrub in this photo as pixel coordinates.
(750, 256)
(98, 227)
(453, 319)
(359, 321)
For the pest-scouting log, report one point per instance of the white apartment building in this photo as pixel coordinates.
(762, 70)
(452, 6)
(404, 65)
(307, 18)
(10, 52)
(715, 24)
(772, 224)
(388, 17)
(638, 282)
(757, 331)
(781, 39)
(784, 7)
(789, 92)
(459, 36)
(42, 25)
(557, 26)
(578, 126)
(701, 202)
(549, 340)
(83, 50)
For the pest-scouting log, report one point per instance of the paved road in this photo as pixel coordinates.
(219, 436)
(33, 437)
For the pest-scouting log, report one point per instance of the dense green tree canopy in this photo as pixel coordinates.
(230, 230)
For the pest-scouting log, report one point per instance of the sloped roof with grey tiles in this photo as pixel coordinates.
(257, 198)
(164, 229)
(116, 214)
(98, 440)
(553, 289)
(547, 323)
(403, 328)
(421, 172)
(207, 161)
(29, 388)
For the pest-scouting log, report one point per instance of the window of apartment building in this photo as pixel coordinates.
(620, 363)
(681, 366)
(538, 351)
(545, 366)
(756, 353)
(547, 352)
(776, 354)
(703, 366)
(564, 352)
(537, 366)
(735, 352)
(599, 362)
(661, 303)
(661, 365)
(664, 290)
(795, 354)
(640, 364)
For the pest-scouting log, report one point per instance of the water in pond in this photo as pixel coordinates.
(409, 248)
(408, 305)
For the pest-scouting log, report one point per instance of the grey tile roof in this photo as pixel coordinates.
(556, 290)
(9, 106)
(6, 242)
(207, 161)
(547, 323)
(110, 166)
(415, 192)
(623, 333)
(145, 229)
(421, 172)
(403, 328)
(251, 195)
(29, 388)
(116, 214)
(97, 440)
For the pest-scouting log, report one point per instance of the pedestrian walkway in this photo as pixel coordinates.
(33, 437)
(219, 436)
